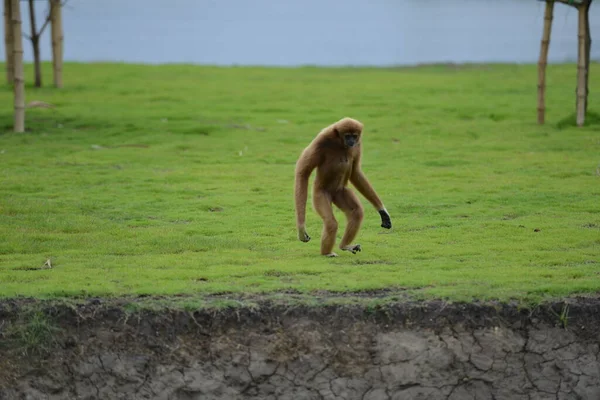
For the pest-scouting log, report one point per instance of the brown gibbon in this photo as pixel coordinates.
(336, 154)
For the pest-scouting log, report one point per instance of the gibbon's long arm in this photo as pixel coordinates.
(304, 167)
(362, 184)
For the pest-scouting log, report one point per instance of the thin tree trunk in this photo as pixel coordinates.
(35, 42)
(8, 43)
(19, 86)
(543, 60)
(57, 41)
(582, 65)
(588, 41)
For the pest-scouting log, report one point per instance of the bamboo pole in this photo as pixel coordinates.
(57, 41)
(543, 60)
(8, 43)
(588, 41)
(19, 86)
(582, 65)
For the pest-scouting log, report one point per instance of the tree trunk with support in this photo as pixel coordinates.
(19, 85)
(57, 41)
(8, 42)
(543, 60)
(35, 42)
(582, 63)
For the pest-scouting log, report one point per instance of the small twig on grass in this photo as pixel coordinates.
(39, 104)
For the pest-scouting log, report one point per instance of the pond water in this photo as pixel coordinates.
(313, 32)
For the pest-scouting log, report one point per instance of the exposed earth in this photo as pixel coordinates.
(105, 349)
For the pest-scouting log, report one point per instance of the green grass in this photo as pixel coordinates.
(164, 180)
(33, 334)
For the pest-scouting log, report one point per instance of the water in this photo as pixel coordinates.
(313, 32)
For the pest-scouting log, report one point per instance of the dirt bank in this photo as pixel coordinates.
(410, 350)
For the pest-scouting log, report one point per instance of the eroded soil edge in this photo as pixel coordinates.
(409, 350)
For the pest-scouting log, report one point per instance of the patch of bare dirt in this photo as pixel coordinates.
(402, 350)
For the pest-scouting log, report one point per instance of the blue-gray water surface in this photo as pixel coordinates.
(313, 32)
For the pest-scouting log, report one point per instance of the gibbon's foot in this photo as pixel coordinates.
(330, 255)
(354, 248)
(386, 221)
(302, 235)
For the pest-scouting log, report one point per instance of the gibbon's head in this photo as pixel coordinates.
(349, 131)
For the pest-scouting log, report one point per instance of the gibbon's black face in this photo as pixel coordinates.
(351, 139)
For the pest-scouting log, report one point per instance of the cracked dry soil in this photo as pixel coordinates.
(412, 350)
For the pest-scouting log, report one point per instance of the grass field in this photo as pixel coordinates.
(163, 180)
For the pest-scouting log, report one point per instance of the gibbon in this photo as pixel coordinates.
(336, 154)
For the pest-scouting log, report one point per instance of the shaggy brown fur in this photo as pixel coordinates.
(336, 154)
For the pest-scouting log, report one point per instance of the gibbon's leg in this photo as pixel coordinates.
(322, 203)
(349, 203)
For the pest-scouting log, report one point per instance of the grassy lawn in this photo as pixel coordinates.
(164, 180)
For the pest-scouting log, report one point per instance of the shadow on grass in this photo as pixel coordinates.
(591, 119)
(36, 123)
(49, 120)
(6, 123)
